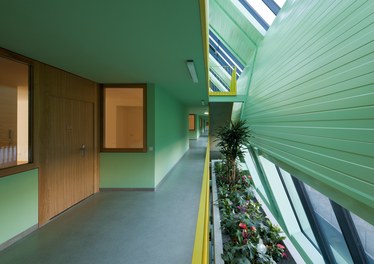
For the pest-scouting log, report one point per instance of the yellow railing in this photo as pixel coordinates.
(232, 91)
(201, 246)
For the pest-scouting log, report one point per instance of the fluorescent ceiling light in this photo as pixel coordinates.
(206, 113)
(192, 70)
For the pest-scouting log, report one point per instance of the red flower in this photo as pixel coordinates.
(280, 246)
(244, 233)
(284, 255)
(253, 228)
(243, 226)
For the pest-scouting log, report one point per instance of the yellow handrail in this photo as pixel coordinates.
(201, 246)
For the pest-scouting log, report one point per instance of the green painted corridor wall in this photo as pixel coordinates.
(167, 140)
(171, 133)
(311, 99)
(18, 204)
(132, 170)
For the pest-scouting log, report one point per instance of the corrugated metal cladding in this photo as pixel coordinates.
(311, 100)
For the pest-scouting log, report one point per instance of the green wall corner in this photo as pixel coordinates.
(167, 141)
(132, 170)
(171, 133)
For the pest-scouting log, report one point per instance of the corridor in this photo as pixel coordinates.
(124, 227)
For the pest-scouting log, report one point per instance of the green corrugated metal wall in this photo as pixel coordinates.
(311, 100)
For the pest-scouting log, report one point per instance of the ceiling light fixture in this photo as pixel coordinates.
(192, 70)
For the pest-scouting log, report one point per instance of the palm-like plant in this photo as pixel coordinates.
(232, 138)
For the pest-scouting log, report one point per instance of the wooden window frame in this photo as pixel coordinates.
(9, 171)
(102, 113)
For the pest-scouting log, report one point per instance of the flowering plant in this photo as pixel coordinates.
(250, 236)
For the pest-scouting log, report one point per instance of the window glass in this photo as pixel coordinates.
(297, 206)
(191, 122)
(280, 3)
(366, 234)
(14, 113)
(262, 10)
(255, 176)
(280, 195)
(124, 118)
(329, 225)
(223, 55)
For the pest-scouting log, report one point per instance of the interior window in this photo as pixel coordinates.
(14, 113)
(124, 116)
(191, 122)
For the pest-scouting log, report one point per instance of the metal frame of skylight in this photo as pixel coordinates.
(225, 85)
(254, 13)
(222, 62)
(224, 57)
(213, 87)
(272, 6)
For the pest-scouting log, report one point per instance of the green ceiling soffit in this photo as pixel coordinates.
(234, 29)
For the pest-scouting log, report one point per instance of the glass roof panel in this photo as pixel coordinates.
(263, 11)
(223, 55)
(280, 3)
(219, 79)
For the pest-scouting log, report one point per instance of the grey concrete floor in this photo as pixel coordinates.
(124, 227)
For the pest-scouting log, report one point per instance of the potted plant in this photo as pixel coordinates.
(232, 138)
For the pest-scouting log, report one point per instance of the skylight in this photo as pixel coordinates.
(280, 2)
(263, 11)
(219, 79)
(223, 56)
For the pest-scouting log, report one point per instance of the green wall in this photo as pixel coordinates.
(167, 140)
(311, 102)
(18, 204)
(132, 170)
(171, 133)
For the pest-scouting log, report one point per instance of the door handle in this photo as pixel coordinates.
(83, 150)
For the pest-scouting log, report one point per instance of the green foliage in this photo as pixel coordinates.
(231, 140)
(251, 237)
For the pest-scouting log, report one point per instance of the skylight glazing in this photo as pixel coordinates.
(223, 56)
(225, 85)
(280, 2)
(263, 11)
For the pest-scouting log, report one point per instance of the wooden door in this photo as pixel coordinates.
(68, 173)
